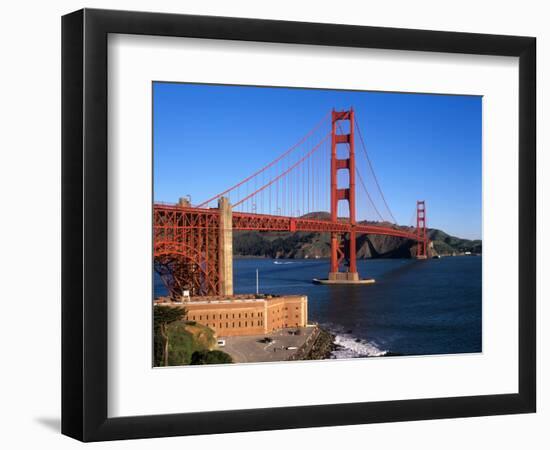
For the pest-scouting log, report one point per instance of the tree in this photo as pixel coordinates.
(163, 316)
(210, 357)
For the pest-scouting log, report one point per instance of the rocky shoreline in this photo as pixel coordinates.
(319, 346)
(324, 346)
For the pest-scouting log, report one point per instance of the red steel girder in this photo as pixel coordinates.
(186, 241)
(177, 219)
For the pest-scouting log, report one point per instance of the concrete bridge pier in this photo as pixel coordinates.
(343, 276)
(225, 256)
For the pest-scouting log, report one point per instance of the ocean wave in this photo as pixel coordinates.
(348, 346)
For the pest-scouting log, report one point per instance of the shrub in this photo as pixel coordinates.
(210, 357)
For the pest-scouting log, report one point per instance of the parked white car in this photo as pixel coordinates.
(221, 342)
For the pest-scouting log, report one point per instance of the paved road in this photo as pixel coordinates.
(250, 349)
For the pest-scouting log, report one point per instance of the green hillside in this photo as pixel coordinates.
(317, 245)
(192, 343)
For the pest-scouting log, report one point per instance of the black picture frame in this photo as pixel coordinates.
(84, 224)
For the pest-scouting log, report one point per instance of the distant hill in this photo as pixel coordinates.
(317, 245)
(446, 244)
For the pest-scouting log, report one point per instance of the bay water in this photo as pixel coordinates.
(414, 308)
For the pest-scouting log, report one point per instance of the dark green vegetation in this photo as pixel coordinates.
(178, 342)
(210, 357)
(315, 245)
(446, 245)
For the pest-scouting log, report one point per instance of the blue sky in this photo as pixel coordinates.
(423, 147)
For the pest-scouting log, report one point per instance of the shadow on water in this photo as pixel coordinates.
(406, 267)
(345, 302)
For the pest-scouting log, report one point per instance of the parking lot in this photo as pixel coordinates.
(255, 349)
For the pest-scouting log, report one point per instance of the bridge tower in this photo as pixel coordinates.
(337, 194)
(422, 241)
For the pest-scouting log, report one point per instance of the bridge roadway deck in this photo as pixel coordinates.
(264, 222)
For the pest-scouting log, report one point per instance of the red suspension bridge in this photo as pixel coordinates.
(193, 243)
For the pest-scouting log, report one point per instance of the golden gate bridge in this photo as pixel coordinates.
(193, 243)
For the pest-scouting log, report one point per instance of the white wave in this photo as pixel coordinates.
(350, 347)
